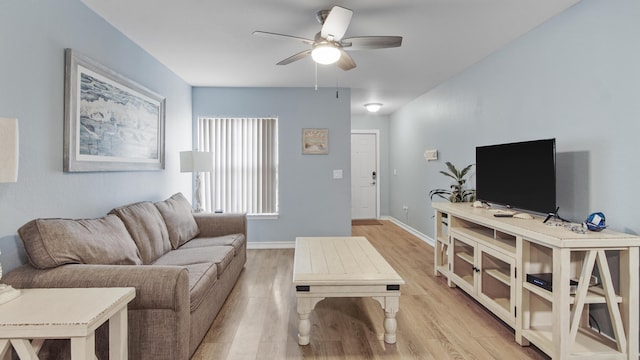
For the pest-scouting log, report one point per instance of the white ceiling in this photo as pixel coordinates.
(210, 43)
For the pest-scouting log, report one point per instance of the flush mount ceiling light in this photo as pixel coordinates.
(373, 107)
(325, 54)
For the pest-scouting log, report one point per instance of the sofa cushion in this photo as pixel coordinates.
(220, 255)
(181, 226)
(147, 228)
(235, 240)
(54, 242)
(202, 277)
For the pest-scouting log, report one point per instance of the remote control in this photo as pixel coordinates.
(502, 215)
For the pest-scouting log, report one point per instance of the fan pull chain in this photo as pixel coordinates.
(316, 75)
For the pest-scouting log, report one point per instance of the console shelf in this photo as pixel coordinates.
(489, 258)
(506, 245)
(500, 276)
(466, 257)
(594, 295)
(587, 345)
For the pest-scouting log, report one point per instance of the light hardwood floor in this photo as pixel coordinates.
(259, 319)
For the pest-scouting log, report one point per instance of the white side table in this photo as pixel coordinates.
(39, 314)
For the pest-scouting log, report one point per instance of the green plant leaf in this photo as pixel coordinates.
(453, 170)
(449, 175)
(465, 170)
(439, 192)
(456, 192)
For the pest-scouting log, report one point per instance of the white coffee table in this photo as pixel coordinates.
(39, 314)
(343, 267)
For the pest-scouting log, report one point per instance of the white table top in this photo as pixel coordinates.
(66, 312)
(341, 261)
(536, 231)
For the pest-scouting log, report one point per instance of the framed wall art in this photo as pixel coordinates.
(111, 123)
(315, 141)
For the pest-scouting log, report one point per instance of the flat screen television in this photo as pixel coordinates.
(519, 175)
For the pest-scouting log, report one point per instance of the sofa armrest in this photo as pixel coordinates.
(157, 287)
(212, 225)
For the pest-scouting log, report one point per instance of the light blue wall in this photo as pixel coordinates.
(380, 123)
(312, 203)
(575, 78)
(34, 34)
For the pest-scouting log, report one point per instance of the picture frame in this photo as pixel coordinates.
(315, 141)
(111, 122)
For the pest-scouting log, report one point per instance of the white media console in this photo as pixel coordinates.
(490, 257)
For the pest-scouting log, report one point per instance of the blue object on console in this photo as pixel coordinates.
(596, 221)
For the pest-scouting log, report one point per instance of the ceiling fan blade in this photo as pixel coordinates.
(336, 23)
(346, 61)
(371, 42)
(282, 36)
(296, 57)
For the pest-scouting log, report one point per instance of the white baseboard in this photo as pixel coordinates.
(271, 245)
(411, 230)
(292, 244)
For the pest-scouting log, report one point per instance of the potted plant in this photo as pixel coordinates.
(456, 193)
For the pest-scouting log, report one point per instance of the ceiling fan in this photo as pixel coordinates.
(328, 46)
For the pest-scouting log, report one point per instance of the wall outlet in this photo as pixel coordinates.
(405, 208)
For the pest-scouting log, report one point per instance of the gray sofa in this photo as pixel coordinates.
(182, 265)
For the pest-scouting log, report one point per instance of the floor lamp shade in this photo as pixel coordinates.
(8, 150)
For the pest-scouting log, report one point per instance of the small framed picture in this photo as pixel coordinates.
(315, 141)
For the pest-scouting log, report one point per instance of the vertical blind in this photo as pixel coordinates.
(245, 163)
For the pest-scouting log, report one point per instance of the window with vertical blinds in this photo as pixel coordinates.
(245, 163)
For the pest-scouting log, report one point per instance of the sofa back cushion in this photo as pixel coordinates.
(181, 226)
(54, 242)
(147, 228)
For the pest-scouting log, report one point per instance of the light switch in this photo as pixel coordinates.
(337, 174)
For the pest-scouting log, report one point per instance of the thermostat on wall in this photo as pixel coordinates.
(431, 155)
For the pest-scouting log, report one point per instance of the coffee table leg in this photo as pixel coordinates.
(304, 328)
(305, 306)
(390, 327)
(390, 304)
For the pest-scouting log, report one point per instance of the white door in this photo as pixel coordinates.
(364, 175)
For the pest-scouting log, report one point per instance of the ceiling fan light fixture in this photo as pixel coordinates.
(325, 54)
(373, 107)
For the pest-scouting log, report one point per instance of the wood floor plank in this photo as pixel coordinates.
(272, 350)
(244, 344)
(212, 350)
(280, 303)
(259, 319)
